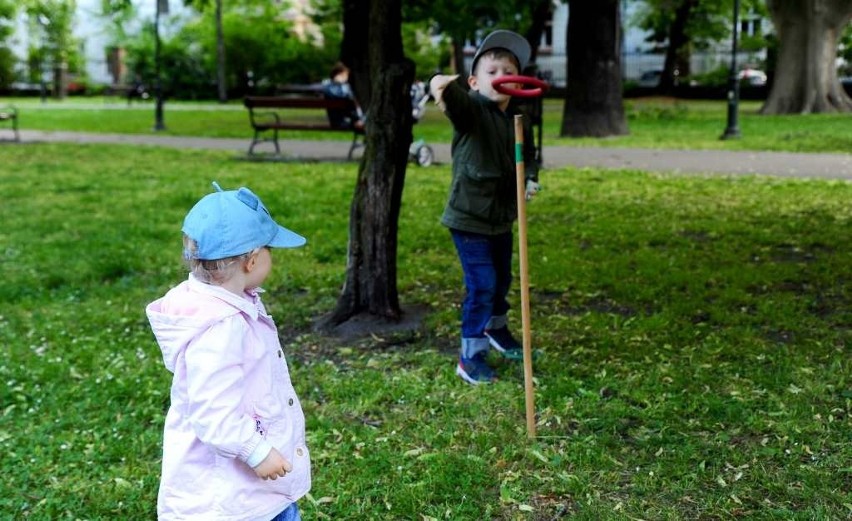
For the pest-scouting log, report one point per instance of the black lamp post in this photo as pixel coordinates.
(732, 131)
(162, 7)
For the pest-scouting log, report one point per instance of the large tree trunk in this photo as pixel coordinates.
(593, 100)
(370, 285)
(677, 52)
(353, 47)
(806, 77)
(542, 12)
(220, 55)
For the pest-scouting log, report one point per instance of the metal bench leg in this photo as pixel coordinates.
(253, 143)
(275, 140)
(354, 146)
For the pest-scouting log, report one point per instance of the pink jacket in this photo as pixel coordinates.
(231, 401)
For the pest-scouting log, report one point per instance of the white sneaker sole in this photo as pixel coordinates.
(466, 377)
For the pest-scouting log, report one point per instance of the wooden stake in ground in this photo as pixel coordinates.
(525, 279)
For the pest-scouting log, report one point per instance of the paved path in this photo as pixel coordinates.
(784, 164)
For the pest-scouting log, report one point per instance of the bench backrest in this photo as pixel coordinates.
(289, 102)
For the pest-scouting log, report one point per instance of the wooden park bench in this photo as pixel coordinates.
(267, 115)
(10, 114)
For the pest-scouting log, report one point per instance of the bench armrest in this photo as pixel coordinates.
(264, 117)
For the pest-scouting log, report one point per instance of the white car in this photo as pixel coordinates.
(753, 77)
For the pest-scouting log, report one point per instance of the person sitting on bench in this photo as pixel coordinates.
(337, 87)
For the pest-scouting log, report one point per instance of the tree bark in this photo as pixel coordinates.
(677, 52)
(353, 47)
(220, 55)
(371, 268)
(542, 12)
(457, 43)
(806, 77)
(593, 100)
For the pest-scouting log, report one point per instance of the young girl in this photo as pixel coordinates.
(234, 439)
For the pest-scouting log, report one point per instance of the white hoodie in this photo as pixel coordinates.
(231, 402)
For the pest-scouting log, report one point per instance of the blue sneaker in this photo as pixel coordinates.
(504, 343)
(475, 370)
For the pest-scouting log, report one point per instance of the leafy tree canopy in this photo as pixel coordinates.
(709, 21)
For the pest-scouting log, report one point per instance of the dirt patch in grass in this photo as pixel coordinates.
(378, 329)
(363, 332)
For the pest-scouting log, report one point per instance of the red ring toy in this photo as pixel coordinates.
(538, 86)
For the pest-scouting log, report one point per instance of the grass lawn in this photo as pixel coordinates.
(695, 333)
(653, 123)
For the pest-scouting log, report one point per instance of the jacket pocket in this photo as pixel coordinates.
(474, 193)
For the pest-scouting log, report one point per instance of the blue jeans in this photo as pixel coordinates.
(487, 265)
(290, 513)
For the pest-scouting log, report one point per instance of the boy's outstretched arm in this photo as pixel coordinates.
(437, 85)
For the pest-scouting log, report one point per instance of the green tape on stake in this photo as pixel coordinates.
(519, 156)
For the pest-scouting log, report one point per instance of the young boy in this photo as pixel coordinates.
(482, 205)
(234, 439)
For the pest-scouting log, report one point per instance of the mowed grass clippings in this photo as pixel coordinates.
(694, 332)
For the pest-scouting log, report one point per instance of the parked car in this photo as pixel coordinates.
(650, 79)
(753, 77)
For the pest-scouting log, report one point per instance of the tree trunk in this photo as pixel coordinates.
(806, 76)
(220, 55)
(370, 285)
(458, 57)
(353, 47)
(541, 13)
(677, 52)
(593, 100)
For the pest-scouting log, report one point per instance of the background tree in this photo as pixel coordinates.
(221, 81)
(680, 27)
(382, 78)
(8, 11)
(261, 48)
(119, 15)
(467, 20)
(540, 12)
(806, 75)
(52, 22)
(593, 100)
(845, 51)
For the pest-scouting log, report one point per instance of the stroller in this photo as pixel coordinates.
(419, 152)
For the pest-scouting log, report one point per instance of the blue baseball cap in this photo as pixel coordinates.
(234, 222)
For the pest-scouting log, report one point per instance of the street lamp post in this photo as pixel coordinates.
(732, 131)
(162, 7)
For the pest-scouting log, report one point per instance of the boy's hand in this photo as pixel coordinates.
(273, 466)
(437, 85)
(532, 189)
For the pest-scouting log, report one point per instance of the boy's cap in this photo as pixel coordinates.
(511, 41)
(234, 222)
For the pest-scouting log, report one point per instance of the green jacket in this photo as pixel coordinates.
(483, 197)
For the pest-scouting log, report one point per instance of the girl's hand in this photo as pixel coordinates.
(273, 466)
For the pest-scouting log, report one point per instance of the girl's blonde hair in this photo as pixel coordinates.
(215, 272)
